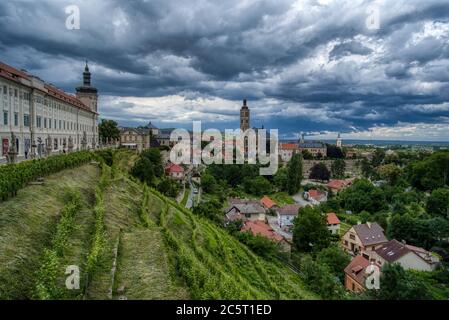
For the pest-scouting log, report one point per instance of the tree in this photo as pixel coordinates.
(378, 157)
(210, 209)
(169, 187)
(336, 259)
(334, 152)
(338, 169)
(257, 186)
(281, 179)
(310, 231)
(366, 168)
(319, 278)
(306, 155)
(208, 183)
(399, 284)
(438, 203)
(363, 196)
(143, 170)
(294, 176)
(319, 172)
(108, 130)
(389, 172)
(155, 157)
(430, 173)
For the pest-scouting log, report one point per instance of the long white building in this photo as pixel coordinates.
(43, 119)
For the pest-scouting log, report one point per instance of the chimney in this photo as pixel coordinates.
(359, 222)
(368, 224)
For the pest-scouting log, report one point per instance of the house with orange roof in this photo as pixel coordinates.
(336, 185)
(174, 171)
(333, 223)
(268, 203)
(263, 229)
(287, 150)
(315, 196)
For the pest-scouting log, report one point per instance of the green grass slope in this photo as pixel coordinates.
(28, 222)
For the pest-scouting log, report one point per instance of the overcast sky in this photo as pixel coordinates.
(318, 66)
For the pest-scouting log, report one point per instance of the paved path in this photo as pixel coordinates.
(300, 200)
(273, 222)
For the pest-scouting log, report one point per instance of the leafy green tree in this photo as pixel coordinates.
(259, 244)
(319, 172)
(430, 173)
(378, 157)
(366, 168)
(306, 155)
(108, 130)
(281, 179)
(438, 203)
(390, 172)
(363, 196)
(334, 152)
(208, 183)
(169, 187)
(294, 176)
(335, 258)
(320, 279)
(144, 170)
(155, 158)
(399, 284)
(338, 169)
(210, 209)
(310, 231)
(257, 186)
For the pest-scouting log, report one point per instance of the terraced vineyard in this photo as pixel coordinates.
(129, 242)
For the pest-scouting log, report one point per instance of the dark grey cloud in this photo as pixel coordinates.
(303, 65)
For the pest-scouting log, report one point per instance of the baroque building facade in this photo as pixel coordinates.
(37, 119)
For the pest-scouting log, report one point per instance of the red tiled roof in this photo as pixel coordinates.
(289, 146)
(261, 228)
(267, 202)
(172, 167)
(355, 269)
(316, 194)
(14, 74)
(338, 184)
(332, 218)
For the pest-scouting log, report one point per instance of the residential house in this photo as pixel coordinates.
(355, 274)
(268, 203)
(263, 229)
(315, 196)
(363, 238)
(174, 171)
(336, 186)
(135, 138)
(287, 214)
(286, 151)
(333, 223)
(409, 257)
(246, 210)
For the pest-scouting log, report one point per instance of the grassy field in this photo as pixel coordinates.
(28, 221)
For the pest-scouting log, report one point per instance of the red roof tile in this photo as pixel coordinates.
(355, 269)
(261, 228)
(289, 146)
(267, 202)
(332, 218)
(172, 167)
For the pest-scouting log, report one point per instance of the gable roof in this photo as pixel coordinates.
(289, 210)
(316, 194)
(249, 208)
(332, 218)
(267, 202)
(356, 269)
(338, 184)
(172, 167)
(393, 250)
(370, 233)
(261, 228)
(289, 146)
(311, 145)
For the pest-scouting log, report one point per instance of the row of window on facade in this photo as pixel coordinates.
(57, 143)
(46, 123)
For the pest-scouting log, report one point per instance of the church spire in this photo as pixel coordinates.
(86, 76)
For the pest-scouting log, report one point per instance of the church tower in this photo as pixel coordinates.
(339, 141)
(86, 93)
(244, 117)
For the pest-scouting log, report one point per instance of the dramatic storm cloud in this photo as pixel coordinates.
(317, 66)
